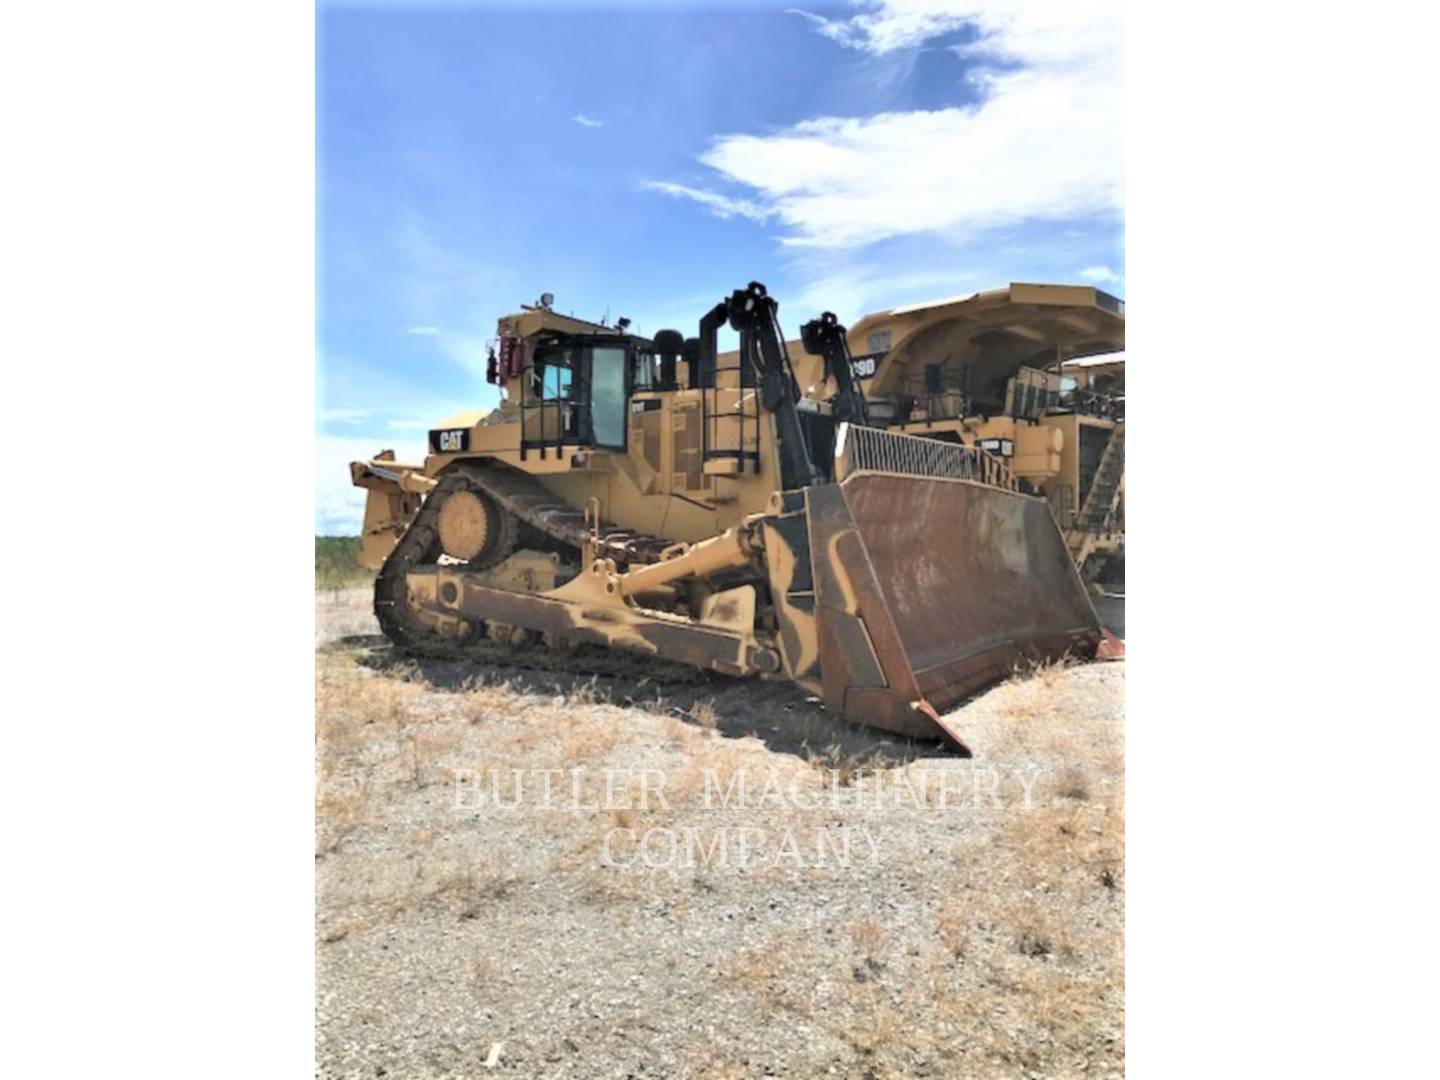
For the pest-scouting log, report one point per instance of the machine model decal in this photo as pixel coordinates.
(1003, 447)
(865, 366)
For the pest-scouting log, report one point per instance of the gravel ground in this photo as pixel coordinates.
(649, 920)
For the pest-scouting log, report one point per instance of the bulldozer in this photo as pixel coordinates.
(743, 513)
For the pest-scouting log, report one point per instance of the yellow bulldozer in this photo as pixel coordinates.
(814, 519)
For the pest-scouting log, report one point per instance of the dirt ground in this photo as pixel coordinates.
(717, 882)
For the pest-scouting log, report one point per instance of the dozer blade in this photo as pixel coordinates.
(927, 589)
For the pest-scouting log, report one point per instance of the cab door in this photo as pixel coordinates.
(609, 372)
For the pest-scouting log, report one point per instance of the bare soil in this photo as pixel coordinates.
(646, 920)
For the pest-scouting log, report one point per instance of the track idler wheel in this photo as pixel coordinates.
(474, 529)
(474, 526)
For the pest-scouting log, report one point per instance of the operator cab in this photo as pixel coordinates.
(570, 380)
(575, 390)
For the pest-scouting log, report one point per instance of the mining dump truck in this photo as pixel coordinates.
(1033, 374)
(652, 494)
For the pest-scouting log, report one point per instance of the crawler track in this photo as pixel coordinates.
(520, 499)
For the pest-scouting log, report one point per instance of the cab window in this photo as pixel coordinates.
(607, 395)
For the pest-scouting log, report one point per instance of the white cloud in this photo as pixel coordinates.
(423, 331)
(408, 425)
(720, 205)
(339, 505)
(1028, 31)
(1101, 275)
(853, 289)
(1044, 141)
(890, 26)
(586, 121)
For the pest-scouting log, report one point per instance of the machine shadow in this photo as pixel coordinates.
(781, 715)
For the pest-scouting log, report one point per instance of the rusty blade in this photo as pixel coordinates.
(929, 589)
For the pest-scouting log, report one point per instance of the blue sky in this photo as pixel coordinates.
(645, 161)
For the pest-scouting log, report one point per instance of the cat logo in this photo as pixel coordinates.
(450, 442)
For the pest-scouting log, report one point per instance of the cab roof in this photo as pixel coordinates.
(534, 321)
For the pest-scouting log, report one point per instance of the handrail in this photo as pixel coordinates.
(1114, 449)
(1061, 498)
(533, 403)
(867, 449)
(747, 408)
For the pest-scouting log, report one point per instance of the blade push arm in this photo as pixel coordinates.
(825, 337)
(753, 313)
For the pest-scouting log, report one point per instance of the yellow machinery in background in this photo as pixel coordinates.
(1026, 373)
(815, 520)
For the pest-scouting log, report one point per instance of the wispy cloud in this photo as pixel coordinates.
(339, 505)
(720, 205)
(586, 121)
(852, 287)
(369, 418)
(1101, 275)
(451, 294)
(1027, 31)
(342, 416)
(891, 25)
(1044, 142)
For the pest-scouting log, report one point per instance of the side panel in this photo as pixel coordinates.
(864, 671)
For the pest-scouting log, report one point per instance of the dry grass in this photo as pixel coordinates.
(1074, 783)
(875, 1024)
(338, 814)
(869, 939)
(769, 974)
(468, 889)
(1023, 1011)
(1069, 845)
(952, 927)
(990, 949)
(713, 769)
(1047, 673)
(705, 715)
(341, 928)
(836, 761)
(590, 743)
